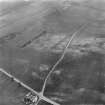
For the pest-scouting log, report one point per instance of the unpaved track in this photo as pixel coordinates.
(27, 87)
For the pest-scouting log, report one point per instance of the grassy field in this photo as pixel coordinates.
(80, 76)
(10, 92)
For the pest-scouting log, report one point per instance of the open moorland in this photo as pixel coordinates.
(80, 77)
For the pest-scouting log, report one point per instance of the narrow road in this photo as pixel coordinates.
(41, 97)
